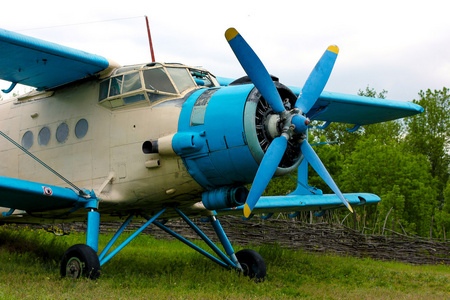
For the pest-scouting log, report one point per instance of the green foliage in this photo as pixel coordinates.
(405, 162)
(429, 133)
(442, 217)
(388, 170)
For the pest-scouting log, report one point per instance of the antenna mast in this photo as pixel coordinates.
(150, 40)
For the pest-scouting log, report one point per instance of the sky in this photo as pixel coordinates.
(399, 46)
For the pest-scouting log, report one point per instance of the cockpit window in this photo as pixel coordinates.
(150, 83)
(181, 78)
(157, 80)
(116, 86)
(131, 82)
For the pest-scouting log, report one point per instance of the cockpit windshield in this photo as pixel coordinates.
(151, 83)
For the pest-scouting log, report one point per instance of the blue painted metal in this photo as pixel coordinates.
(115, 237)
(224, 197)
(128, 240)
(33, 196)
(352, 109)
(221, 235)
(185, 143)
(93, 229)
(267, 168)
(320, 214)
(317, 111)
(290, 203)
(356, 127)
(301, 123)
(11, 87)
(205, 238)
(324, 125)
(302, 179)
(324, 143)
(294, 215)
(35, 62)
(317, 80)
(268, 216)
(318, 166)
(255, 69)
(224, 81)
(9, 213)
(225, 241)
(215, 153)
(190, 244)
(91, 201)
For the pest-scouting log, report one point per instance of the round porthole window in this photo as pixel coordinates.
(27, 140)
(62, 132)
(44, 136)
(81, 128)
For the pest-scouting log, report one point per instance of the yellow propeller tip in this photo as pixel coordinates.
(350, 208)
(334, 49)
(247, 211)
(231, 33)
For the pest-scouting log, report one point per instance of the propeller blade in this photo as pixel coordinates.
(254, 69)
(315, 162)
(267, 168)
(317, 80)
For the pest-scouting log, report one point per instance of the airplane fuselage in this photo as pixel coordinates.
(141, 148)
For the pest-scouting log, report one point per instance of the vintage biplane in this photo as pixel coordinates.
(98, 141)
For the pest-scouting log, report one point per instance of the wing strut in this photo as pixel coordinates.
(80, 191)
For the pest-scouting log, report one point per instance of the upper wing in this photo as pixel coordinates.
(360, 110)
(44, 65)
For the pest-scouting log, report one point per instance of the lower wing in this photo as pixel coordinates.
(295, 203)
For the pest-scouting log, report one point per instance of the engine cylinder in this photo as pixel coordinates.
(225, 197)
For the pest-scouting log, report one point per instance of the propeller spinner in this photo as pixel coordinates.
(294, 121)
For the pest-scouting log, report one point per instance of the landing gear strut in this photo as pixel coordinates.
(82, 260)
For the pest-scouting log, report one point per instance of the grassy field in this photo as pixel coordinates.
(159, 269)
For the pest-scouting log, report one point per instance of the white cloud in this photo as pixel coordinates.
(400, 46)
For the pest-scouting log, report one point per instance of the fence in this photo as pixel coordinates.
(315, 237)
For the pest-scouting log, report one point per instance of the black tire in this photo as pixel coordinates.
(80, 261)
(253, 264)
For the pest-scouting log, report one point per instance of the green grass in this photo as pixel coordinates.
(160, 269)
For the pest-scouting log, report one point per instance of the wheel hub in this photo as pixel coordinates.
(74, 268)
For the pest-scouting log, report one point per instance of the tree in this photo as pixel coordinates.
(442, 217)
(400, 177)
(428, 133)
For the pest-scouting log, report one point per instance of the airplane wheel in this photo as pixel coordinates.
(252, 263)
(80, 261)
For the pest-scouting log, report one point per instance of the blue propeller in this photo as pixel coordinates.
(295, 119)
(254, 69)
(317, 80)
(267, 168)
(313, 159)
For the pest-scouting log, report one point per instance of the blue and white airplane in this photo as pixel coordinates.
(99, 141)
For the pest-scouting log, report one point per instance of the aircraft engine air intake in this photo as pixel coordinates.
(263, 125)
(225, 197)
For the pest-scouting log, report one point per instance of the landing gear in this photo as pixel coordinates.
(252, 264)
(80, 261)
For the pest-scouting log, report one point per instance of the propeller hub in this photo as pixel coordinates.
(301, 123)
(272, 124)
